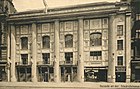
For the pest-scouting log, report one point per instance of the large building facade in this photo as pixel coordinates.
(83, 43)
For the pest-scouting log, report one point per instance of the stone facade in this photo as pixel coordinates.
(83, 43)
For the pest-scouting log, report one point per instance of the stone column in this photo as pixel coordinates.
(112, 49)
(56, 53)
(81, 52)
(13, 53)
(34, 52)
(8, 54)
(128, 47)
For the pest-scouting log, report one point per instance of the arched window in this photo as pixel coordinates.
(96, 39)
(46, 42)
(68, 40)
(24, 42)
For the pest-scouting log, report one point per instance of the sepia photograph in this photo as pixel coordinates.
(69, 44)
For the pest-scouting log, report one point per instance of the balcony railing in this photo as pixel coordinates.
(23, 64)
(44, 62)
(67, 63)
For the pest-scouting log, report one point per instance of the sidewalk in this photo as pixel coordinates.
(75, 85)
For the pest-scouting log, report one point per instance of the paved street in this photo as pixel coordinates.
(41, 85)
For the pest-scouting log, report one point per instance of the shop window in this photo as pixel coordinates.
(95, 39)
(119, 30)
(46, 41)
(24, 58)
(24, 43)
(120, 44)
(46, 58)
(68, 41)
(68, 57)
(96, 55)
(120, 61)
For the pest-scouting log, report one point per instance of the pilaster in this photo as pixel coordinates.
(112, 49)
(56, 56)
(34, 53)
(81, 52)
(128, 47)
(13, 53)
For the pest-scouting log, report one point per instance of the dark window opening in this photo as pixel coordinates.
(97, 55)
(69, 41)
(120, 30)
(24, 58)
(24, 43)
(68, 57)
(120, 44)
(46, 58)
(120, 61)
(46, 41)
(95, 39)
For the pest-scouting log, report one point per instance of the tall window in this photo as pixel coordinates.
(120, 61)
(24, 42)
(68, 57)
(69, 41)
(120, 44)
(24, 58)
(96, 55)
(46, 41)
(95, 39)
(119, 30)
(46, 58)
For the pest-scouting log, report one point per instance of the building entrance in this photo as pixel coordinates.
(68, 74)
(24, 74)
(120, 76)
(46, 74)
(3, 76)
(95, 75)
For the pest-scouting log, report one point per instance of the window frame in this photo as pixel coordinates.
(94, 40)
(119, 44)
(24, 43)
(68, 43)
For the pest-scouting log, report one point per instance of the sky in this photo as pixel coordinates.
(23, 5)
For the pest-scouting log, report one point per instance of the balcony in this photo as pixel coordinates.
(45, 63)
(23, 63)
(68, 62)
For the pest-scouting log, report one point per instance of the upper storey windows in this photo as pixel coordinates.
(46, 42)
(95, 39)
(24, 43)
(68, 40)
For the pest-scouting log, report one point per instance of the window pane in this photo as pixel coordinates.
(46, 41)
(96, 55)
(120, 30)
(24, 58)
(120, 44)
(95, 39)
(69, 40)
(46, 58)
(24, 42)
(68, 57)
(120, 60)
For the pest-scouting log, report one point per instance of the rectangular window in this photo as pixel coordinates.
(119, 30)
(24, 58)
(96, 55)
(68, 57)
(24, 43)
(46, 58)
(120, 44)
(120, 61)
